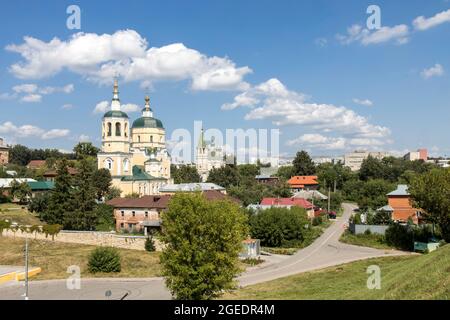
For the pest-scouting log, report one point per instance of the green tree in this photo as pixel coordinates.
(101, 181)
(202, 241)
(373, 194)
(113, 192)
(431, 192)
(303, 164)
(83, 149)
(20, 191)
(185, 174)
(285, 172)
(225, 176)
(39, 203)
(371, 168)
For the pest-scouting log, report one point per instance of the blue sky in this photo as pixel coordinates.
(308, 68)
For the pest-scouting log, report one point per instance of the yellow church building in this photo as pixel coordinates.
(135, 155)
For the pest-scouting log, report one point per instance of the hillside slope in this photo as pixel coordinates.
(407, 277)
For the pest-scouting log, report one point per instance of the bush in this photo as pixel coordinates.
(279, 227)
(149, 244)
(403, 236)
(104, 259)
(317, 221)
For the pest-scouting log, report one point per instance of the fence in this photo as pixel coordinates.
(362, 228)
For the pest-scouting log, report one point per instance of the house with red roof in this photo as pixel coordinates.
(298, 183)
(288, 203)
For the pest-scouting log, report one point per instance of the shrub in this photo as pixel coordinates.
(317, 221)
(104, 259)
(400, 237)
(367, 232)
(279, 227)
(149, 244)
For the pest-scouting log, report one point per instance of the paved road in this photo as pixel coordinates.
(324, 252)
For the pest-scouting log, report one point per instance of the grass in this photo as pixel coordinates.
(16, 213)
(54, 258)
(365, 240)
(414, 277)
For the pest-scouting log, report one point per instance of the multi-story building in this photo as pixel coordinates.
(135, 155)
(400, 206)
(4, 153)
(421, 154)
(355, 159)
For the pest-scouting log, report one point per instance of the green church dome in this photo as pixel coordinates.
(115, 114)
(147, 122)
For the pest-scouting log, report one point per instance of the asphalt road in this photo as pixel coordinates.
(326, 251)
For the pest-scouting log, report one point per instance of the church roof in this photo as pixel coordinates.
(147, 122)
(140, 175)
(115, 114)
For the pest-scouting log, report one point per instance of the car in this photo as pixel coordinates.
(332, 215)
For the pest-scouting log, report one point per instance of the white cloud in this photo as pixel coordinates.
(436, 71)
(363, 102)
(84, 138)
(55, 133)
(25, 131)
(130, 107)
(318, 141)
(49, 90)
(125, 53)
(67, 106)
(101, 107)
(25, 88)
(31, 98)
(357, 33)
(271, 100)
(8, 96)
(421, 23)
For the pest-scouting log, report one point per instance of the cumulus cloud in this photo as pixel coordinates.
(31, 98)
(356, 33)
(104, 106)
(25, 88)
(101, 107)
(125, 53)
(271, 100)
(435, 71)
(24, 131)
(363, 102)
(84, 138)
(67, 106)
(130, 107)
(421, 23)
(318, 141)
(31, 92)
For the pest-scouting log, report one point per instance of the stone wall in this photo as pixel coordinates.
(91, 238)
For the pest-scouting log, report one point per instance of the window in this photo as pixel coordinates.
(123, 213)
(118, 133)
(108, 164)
(139, 138)
(121, 226)
(125, 130)
(126, 165)
(134, 213)
(146, 214)
(109, 129)
(151, 138)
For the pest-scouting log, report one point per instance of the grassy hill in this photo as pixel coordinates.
(18, 214)
(407, 277)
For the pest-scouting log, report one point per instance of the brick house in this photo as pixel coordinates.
(400, 206)
(287, 203)
(4, 153)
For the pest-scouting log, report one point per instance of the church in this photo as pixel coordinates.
(135, 155)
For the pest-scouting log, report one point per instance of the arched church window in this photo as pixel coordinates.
(109, 129)
(151, 138)
(139, 138)
(118, 133)
(108, 164)
(125, 130)
(126, 165)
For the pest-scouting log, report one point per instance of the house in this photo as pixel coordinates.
(267, 203)
(143, 214)
(355, 159)
(298, 183)
(421, 154)
(50, 175)
(39, 187)
(5, 184)
(36, 164)
(4, 153)
(266, 179)
(400, 207)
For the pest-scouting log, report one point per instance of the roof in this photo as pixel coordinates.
(299, 202)
(310, 194)
(162, 201)
(115, 114)
(53, 173)
(147, 122)
(41, 185)
(139, 175)
(301, 181)
(6, 182)
(190, 187)
(402, 190)
(35, 164)
(265, 176)
(386, 208)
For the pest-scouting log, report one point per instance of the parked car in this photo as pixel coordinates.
(332, 215)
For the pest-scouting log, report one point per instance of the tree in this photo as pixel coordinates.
(285, 172)
(39, 203)
(61, 198)
(113, 192)
(278, 227)
(303, 164)
(202, 241)
(20, 191)
(371, 168)
(431, 192)
(101, 181)
(225, 176)
(373, 193)
(185, 174)
(83, 149)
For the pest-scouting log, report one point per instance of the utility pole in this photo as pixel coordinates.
(329, 198)
(26, 268)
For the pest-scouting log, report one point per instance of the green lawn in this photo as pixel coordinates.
(16, 213)
(365, 240)
(406, 277)
(54, 258)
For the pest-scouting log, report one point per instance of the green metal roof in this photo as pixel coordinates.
(139, 175)
(115, 114)
(147, 122)
(41, 185)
